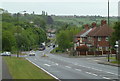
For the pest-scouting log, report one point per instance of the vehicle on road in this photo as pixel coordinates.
(6, 54)
(32, 53)
(41, 48)
(49, 45)
(53, 46)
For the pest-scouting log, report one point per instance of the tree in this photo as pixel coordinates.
(65, 37)
(116, 34)
(8, 41)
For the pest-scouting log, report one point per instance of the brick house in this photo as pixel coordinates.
(79, 40)
(96, 37)
(99, 36)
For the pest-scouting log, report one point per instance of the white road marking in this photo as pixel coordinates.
(88, 72)
(96, 60)
(91, 73)
(105, 77)
(78, 69)
(47, 64)
(96, 69)
(76, 64)
(88, 58)
(44, 70)
(112, 73)
(56, 64)
(94, 74)
(68, 66)
(35, 59)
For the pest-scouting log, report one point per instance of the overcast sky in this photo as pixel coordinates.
(62, 7)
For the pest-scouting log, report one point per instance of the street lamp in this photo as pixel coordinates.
(17, 30)
(108, 33)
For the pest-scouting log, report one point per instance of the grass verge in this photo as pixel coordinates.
(20, 68)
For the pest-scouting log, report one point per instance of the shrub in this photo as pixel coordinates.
(82, 48)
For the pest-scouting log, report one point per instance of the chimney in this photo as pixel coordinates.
(93, 24)
(103, 22)
(86, 26)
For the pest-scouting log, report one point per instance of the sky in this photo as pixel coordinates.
(62, 7)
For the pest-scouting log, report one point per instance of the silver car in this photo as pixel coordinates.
(32, 53)
(6, 54)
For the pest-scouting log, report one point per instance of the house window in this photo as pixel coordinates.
(100, 48)
(107, 48)
(106, 39)
(99, 38)
(89, 38)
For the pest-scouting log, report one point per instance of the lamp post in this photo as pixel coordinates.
(108, 33)
(17, 30)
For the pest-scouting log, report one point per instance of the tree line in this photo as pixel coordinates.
(18, 33)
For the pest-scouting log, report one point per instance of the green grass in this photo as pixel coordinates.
(20, 68)
(115, 62)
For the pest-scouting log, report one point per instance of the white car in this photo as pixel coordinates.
(32, 53)
(6, 54)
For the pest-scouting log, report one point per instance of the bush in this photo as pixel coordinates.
(82, 48)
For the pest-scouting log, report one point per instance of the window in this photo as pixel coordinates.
(100, 48)
(106, 38)
(89, 38)
(99, 38)
(107, 48)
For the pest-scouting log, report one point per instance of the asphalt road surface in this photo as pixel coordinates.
(73, 68)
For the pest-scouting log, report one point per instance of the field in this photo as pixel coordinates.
(79, 21)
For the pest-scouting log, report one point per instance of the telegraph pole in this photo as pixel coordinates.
(108, 33)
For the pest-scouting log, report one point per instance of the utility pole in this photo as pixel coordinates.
(108, 33)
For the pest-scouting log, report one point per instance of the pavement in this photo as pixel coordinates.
(65, 68)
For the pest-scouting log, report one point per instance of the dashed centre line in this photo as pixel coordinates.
(47, 65)
(68, 66)
(91, 73)
(78, 69)
(56, 64)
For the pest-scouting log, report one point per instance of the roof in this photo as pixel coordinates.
(85, 33)
(104, 31)
(101, 31)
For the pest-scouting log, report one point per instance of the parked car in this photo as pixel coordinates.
(6, 54)
(32, 53)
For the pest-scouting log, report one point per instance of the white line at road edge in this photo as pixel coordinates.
(44, 70)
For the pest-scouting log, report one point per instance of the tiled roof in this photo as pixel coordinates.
(101, 31)
(104, 31)
(83, 31)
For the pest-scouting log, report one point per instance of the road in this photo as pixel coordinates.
(73, 68)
